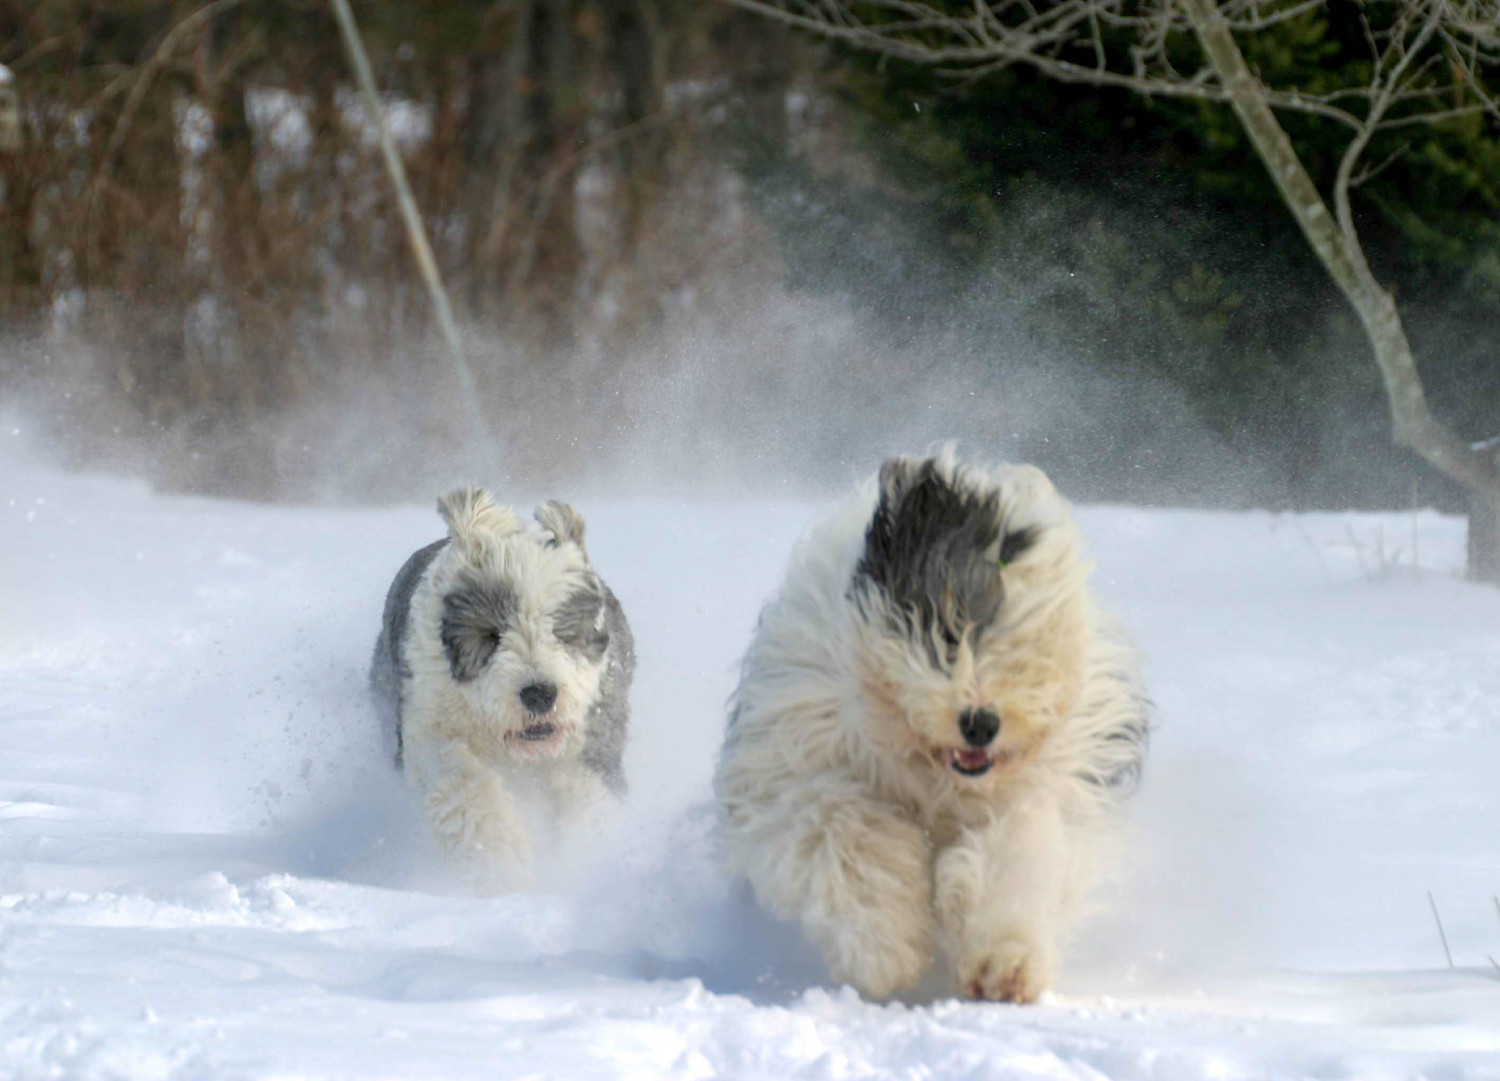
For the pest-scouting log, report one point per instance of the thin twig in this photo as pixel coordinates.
(1441, 933)
(1370, 172)
(960, 55)
(415, 231)
(143, 79)
(568, 160)
(1359, 551)
(1416, 534)
(1316, 550)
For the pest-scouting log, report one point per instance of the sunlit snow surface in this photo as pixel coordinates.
(208, 871)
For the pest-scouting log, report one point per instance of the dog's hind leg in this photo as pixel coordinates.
(856, 873)
(1003, 892)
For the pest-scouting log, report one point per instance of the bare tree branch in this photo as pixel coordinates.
(1036, 43)
(142, 80)
(1429, 63)
(1054, 37)
(1370, 172)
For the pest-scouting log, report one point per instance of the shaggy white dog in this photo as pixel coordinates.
(932, 733)
(502, 674)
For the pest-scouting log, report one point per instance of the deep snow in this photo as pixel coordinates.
(207, 871)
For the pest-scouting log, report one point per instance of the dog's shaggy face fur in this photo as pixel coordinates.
(960, 661)
(933, 729)
(502, 674)
(522, 623)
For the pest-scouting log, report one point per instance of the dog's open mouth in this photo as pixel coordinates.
(971, 761)
(537, 733)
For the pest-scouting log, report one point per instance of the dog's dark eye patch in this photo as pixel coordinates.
(476, 615)
(576, 623)
(1015, 544)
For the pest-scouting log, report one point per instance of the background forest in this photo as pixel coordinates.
(686, 245)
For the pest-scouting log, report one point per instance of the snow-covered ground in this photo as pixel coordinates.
(206, 870)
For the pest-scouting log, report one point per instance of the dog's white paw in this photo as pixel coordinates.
(498, 862)
(1011, 971)
(878, 958)
(491, 847)
(491, 877)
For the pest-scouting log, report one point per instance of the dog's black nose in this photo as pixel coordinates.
(979, 726)
(538, 697)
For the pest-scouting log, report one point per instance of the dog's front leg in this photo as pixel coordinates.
(582, 804)
(1001, 894)
(475, 818)
(856, 873)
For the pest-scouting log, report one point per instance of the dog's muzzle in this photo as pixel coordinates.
(979, 727)
(538, 697)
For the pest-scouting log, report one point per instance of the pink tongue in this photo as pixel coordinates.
(972, 759)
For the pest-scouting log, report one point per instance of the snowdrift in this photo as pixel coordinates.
(207, 868)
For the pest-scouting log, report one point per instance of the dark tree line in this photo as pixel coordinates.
(1391, 109)
(195, 189)
(196, 239)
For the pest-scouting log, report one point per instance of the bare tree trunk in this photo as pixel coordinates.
(495, 138)
(526, 115)
(1484, 538)
(640, 46)
(1412, 422)
(224, 192)
(22, 262)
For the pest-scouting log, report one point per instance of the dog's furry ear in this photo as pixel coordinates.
(473, 517)
(563, 522)
(896, 478)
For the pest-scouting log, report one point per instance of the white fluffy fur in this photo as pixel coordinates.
(486, 790)
(838, 802)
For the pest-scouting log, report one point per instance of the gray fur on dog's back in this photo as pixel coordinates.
(608, 719)
(388, 668)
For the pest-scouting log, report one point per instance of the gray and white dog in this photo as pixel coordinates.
(502, 676)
